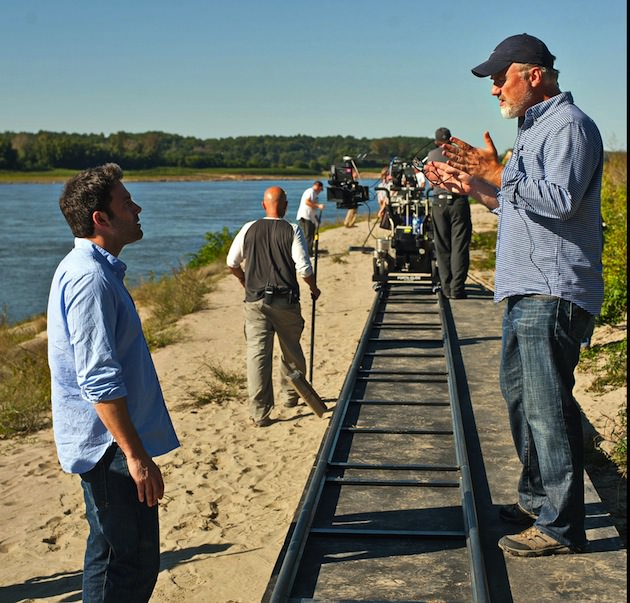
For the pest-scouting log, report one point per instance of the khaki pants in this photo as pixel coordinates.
(262, 321)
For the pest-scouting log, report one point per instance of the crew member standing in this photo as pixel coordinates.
(307, 216)
(452, 229)
(274, 252)
(549, 275)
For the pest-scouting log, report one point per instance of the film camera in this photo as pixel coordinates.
(344, 188)
(408, 219)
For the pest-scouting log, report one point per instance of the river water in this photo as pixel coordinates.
(175, 218)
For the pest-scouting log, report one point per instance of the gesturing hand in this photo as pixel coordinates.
(480, 162)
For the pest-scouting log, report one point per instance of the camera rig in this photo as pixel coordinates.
(407, 216)
(344, 188)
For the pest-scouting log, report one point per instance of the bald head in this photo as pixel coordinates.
(275, 202)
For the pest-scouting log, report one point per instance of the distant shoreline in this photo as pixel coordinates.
(196, 177)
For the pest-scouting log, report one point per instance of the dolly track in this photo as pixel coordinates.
(388, 513)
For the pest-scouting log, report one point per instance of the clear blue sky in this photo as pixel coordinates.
(364, 68)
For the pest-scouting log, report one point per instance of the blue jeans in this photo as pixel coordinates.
(540, 350)
(122, 557)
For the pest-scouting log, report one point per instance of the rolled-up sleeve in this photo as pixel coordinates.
(91, 318)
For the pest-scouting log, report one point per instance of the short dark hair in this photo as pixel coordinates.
(87, 192)
(319, 183)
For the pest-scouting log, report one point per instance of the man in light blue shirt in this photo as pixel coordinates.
(548, 271)
(109, 415)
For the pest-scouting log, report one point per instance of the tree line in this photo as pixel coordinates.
(44, 150)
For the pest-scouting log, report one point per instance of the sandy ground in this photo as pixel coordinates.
(231, 489)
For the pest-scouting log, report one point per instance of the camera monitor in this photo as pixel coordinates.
(340, 175)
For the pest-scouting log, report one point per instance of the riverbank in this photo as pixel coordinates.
(170, 175)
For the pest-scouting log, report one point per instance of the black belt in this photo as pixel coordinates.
(448, 197)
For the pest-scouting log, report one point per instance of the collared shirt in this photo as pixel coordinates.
(305, 211)
(550, 228)
(279, 260)
(97, 352)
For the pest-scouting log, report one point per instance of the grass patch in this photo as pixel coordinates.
(218, 386)
(483, 248)
(166, 299)
(56, 175)
(608, 363)
(619, 441)
(24, 379)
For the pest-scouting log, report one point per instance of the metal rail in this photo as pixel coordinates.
(388, 512)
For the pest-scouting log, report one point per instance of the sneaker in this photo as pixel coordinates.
(264, 422)
(516, 514)
(533, 543)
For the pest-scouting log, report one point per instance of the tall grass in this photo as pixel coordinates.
(165, 300)
(24, 378)
(615, 217)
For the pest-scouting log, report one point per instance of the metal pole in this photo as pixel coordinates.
(315, 253)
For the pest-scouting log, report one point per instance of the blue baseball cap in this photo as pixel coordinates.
(521, 48)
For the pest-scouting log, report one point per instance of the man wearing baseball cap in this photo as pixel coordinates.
(549, 275)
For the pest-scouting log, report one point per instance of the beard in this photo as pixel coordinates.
(518, 108)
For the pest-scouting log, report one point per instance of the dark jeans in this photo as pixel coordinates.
(540, 350)
(452, 230)
(308, 228)
(122, 556)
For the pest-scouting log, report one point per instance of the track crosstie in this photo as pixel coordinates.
(388, 512)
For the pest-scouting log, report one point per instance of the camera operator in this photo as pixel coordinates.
(306, 216)
(274, 253)
(452, 229)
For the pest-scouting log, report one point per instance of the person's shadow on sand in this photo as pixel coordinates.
(70, 583)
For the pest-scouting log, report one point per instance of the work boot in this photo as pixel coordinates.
(516, 514)
(533, 543)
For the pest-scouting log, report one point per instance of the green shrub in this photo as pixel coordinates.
(214, 250)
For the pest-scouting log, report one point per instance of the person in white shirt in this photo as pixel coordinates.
(307, 216)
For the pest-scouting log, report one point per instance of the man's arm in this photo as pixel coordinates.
(314, 204)
(239, 274)
(144, 472)
(310, 281)
(478, 162)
